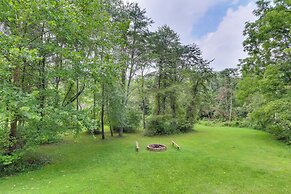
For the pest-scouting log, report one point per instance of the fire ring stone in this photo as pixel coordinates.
(157, 147)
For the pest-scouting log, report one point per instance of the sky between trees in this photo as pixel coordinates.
(215, 25)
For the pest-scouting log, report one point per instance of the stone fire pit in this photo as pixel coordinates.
(157, 147)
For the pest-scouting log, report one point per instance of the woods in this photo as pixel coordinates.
(75, 66)
(56, 57)
(268, 44)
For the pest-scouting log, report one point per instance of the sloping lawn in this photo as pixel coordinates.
(211, 160)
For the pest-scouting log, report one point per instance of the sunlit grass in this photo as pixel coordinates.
(211, 160)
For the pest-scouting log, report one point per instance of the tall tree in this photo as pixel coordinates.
(167, 49)
(197, 74)
(268, 65)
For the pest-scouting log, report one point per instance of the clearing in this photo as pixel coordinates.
(211, 160)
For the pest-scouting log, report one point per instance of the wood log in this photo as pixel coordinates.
(136, 146)
(175, 145)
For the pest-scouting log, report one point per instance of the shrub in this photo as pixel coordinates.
(130, 122)
(165, 125)
(275, 117)
(26, 163)
(159, 125)
(209, 123)
(184, 126)
(235, 123)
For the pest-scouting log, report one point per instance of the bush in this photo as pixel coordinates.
(184, 126)
(166, 125)
(92, 126)
(159, 125)
(275, 117)
(130, 122)
(27, 163)
(218, 123)
(209, 123)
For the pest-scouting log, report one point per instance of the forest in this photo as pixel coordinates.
(81, 66)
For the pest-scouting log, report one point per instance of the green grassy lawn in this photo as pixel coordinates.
(211, 160)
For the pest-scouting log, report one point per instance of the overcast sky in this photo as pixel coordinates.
(215, 25)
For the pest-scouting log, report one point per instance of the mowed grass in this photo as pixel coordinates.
(211, 160)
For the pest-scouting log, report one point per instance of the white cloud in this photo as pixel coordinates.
(225, 44)
(180, 15)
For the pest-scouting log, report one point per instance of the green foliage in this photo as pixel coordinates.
(183, 125)
(28, 162)
(181, 80)
(275, 117)
(49, 51)
(274, 84)
(132, 121)
(265, 86)
(247, 88)
(159, 125)
(166, 125)
(243, 123)
(58, 121)
(92, 125)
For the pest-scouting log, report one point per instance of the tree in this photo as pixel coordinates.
(49, 50)
(195, 71)
(181, 77)
(226, 93)
(166, 48)
(268, 64)
(131, 54)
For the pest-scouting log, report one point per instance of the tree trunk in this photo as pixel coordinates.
(143, 114)
(131, 71)
(7, 119)
(102, 111)
(42, 87)
(158, 96)
(42, 77)
(23, 76)
(111, 131)
(77, 100)
(190, 112)
(14, 119)
(173, 104)
(192, 108)
(164, 98)
(120, 131)
(230, 108)
(58, 80)
(13, 135)
(143, 100)
(95, 106)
